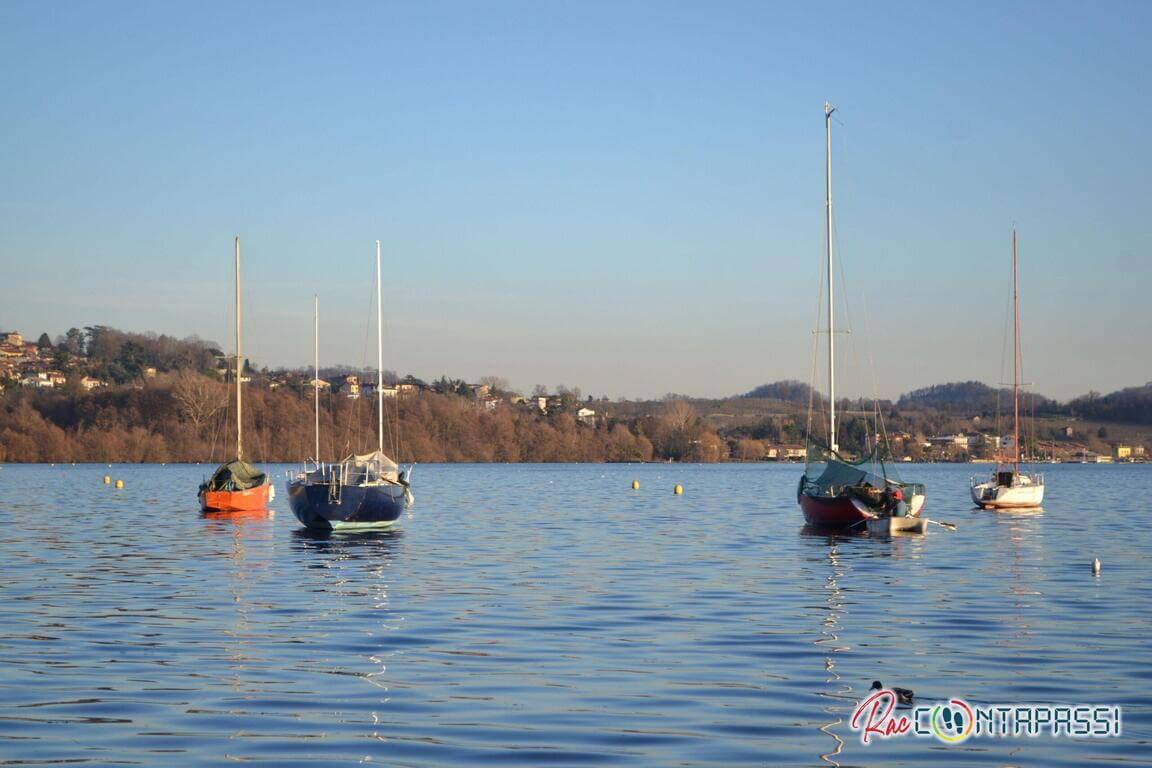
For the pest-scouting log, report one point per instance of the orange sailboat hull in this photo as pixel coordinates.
(249, 500)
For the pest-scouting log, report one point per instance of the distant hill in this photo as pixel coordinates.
(790, 391)
(1132, 406)
(970, 398)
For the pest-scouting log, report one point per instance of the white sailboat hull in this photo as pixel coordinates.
(915, 504)
(1022, 494)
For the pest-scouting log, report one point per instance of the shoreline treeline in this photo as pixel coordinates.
(143, 397)
(186, 416)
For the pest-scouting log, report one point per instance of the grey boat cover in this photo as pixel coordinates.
(235, 475)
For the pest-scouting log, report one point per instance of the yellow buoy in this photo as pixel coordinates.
(678, 490)
(107, 479)
(119, 483)
(635, 485)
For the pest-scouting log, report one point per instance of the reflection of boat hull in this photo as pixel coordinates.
(239, 516)
(320, 506)
(248, 500)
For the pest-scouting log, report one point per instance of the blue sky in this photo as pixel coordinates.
(625, 197)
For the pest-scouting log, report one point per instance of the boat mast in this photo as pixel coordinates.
(379, 358)
(316, 367)
(239, 362)
(1015, 363)
(828, 110)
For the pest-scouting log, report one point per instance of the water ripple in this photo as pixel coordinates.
(549, 615)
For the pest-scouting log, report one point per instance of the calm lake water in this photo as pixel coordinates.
(550, 615)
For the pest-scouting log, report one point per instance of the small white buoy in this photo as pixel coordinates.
(1095, 566)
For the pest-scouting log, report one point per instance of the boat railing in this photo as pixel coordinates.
(317, 471)
(1034, 478)
(915, 489)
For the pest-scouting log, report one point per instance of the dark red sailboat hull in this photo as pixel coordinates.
(830, 511)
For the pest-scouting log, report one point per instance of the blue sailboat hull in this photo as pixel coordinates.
(319, 507)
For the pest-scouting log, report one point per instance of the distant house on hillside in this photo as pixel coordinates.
(1129, 452)
(90, 384)
(949, 441)
(548, 403)
(14, 349)
(348, 386)
(38, 380)
(586, 416)
(1090, 457)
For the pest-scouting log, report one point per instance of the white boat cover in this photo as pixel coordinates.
(371, 467)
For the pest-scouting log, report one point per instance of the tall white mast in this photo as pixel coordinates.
(828, 110)
(239, 363)
(316, 368)
(1015, 364)
(379, 357)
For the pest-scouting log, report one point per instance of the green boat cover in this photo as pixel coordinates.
(235, 475)
(840, 473)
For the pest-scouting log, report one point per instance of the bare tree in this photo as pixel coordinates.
(200, 398)
(679, 415)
